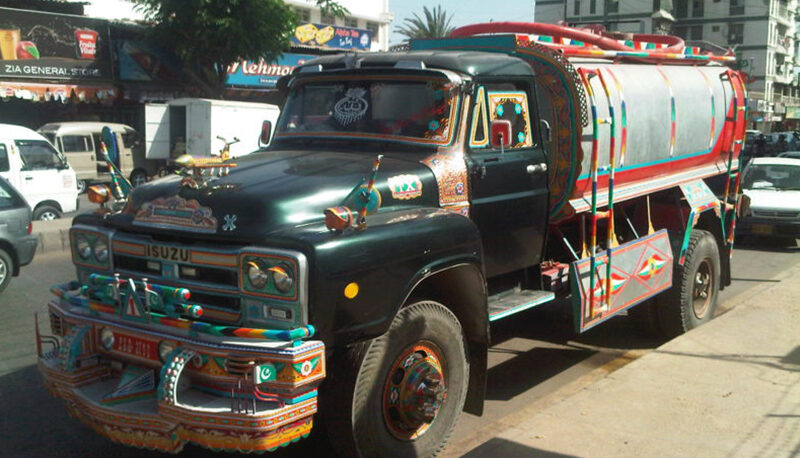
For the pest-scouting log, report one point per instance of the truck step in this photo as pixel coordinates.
(508, 303)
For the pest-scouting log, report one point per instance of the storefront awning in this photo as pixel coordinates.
(64, 93)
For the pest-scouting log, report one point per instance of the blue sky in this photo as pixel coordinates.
(463, 11)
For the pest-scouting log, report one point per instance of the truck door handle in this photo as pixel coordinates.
(536, 168)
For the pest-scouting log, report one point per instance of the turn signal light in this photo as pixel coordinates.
(99, 194)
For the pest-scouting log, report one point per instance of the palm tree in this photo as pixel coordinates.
(435, 25)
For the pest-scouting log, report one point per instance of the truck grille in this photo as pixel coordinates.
(211, 274)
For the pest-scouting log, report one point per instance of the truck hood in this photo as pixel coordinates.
(269, 192)
(771, 199)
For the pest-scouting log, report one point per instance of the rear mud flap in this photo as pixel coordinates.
(639, 270)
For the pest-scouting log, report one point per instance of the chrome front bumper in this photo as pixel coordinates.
(202, 390)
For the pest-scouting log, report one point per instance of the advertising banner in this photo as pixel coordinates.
(331, 37)
(53, 46)
(261, 73)
(792, 112)
(138, 61)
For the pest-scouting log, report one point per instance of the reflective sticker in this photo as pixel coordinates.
(405, 187)
(230, 223)
(264, 373)
(352, 107)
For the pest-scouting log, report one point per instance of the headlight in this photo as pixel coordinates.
(100, 249)
(283, 280)
(257, 275)
(82, 247)
(164, 349)
(107, 339)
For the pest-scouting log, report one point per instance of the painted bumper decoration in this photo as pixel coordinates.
(147, 379)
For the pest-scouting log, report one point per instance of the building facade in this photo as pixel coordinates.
(763, 34)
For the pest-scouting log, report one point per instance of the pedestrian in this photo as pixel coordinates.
(782, 145)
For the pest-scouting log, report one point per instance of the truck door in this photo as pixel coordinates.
(509, 195)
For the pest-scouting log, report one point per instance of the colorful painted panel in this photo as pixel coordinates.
(479, 137)
(698, 195)
(178, 213)
(512, 106)
(639, 270)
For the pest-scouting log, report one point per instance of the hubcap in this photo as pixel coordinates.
(138, 180)
(414, 392)
(3, 271)
(703, 289)
(81, 186)
(47, 216)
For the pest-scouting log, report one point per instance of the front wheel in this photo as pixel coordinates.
(695, 287)
(46, 213)
(400, 394)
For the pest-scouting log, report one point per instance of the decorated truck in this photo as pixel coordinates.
(349, 272)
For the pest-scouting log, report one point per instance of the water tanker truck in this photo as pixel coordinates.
(350, 271)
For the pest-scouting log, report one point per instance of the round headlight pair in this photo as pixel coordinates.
(259, 275)
(85, 249)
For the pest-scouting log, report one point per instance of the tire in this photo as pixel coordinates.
(371, 379)
(82, 185)
(46, 213)
(6, 269)
(138, 178)
(695, 287)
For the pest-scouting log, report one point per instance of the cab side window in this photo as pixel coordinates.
(38, 155)
(75, 143)
(5, 166)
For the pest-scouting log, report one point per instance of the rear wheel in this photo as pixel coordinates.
(46, 213)
(138, 177)
(6, 269)
(82, 185)
(695, 287)
(400, 394)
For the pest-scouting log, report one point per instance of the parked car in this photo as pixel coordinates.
(80, 143)
(790, 154)
(40, 173)
(773, 186)
(17, 245)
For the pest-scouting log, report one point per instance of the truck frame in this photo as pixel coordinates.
(406, 201)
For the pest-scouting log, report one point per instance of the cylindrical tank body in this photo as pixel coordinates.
(669, 125)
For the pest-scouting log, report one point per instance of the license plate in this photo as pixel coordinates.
(135, 346)
(763, 229)
(168, 253)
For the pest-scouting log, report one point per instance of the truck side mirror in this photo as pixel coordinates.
(266, 130)
(501, 133)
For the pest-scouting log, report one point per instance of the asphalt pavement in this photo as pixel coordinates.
(536, 364)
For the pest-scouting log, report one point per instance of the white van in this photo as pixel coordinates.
(39, 172)
(80, 143)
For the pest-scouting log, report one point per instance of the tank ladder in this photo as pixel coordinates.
(731, 176)
(608, 215)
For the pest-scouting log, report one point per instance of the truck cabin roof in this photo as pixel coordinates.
(475, 63)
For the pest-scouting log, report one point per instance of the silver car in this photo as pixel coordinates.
(17, 245)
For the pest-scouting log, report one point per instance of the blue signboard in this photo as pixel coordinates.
(261, 73)
(331, 37)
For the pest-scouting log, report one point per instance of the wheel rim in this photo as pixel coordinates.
(81, 186)
(415, 390)
(3, 271)
(138, 180)
(703, 288)
(48, 216)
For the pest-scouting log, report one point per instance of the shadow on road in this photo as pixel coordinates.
(501, 447)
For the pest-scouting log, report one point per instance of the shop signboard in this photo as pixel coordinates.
(326, 36)
(792, 112)
(264, 74)
(53, 46)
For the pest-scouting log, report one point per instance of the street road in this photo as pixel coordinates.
(535, 359)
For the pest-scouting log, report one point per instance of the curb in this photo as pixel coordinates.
(53, 235)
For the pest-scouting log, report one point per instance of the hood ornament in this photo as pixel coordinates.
(200, 172)
(365, 199)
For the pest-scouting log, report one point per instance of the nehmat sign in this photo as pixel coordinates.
(262, 73)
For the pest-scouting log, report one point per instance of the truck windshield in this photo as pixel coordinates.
(420, 111)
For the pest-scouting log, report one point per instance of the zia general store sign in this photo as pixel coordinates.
(53, 46)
